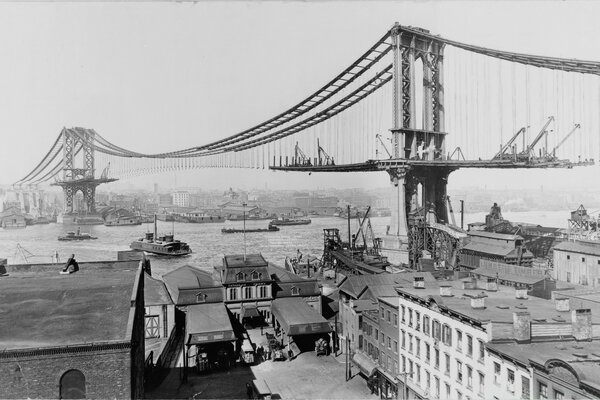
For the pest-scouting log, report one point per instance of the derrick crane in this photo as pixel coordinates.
(378, 136)
(553, 152)
(299, 156)
(528, 152)
(322, 155)
(502, 153)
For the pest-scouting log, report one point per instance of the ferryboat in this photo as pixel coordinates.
(290, 221)
(77, 236)
(165, 245)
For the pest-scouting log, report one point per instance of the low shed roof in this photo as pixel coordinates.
(298, 318)
(208, 323)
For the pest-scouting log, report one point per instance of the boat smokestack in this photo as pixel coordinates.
(155, 235)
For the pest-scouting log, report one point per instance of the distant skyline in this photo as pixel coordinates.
(154, 76)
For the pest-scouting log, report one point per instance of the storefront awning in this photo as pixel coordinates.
(249, 311)
(364, 363)
(208, 323)
(296, 317)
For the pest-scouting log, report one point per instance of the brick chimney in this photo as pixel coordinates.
(446, 290)
(419, 282)
(581, 321)
(521, 293)
(522, 326)
(562, 304)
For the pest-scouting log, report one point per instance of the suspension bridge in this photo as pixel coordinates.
(415, 105)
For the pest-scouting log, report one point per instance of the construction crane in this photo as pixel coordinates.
(322, 155)
(299, 156)
(502, 153)
(378, 136)
(553, 152)
(528, 152)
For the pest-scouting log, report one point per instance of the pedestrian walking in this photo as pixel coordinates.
(249, 391)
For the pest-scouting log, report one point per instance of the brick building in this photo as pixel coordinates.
(72, 336)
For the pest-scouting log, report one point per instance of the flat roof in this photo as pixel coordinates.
(208, 323)
(494, 235)
(579, 247)
(237, 261)
(297, 317)
(499, 305)
(42, 308)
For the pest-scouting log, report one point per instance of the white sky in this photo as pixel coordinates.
(154, 77)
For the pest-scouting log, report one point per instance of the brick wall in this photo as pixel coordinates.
(37, 374)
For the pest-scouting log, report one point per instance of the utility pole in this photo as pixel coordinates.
(348, 368)
(244, 216)
(462, 214)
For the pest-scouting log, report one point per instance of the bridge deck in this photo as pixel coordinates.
(379, 165)
(351, 263)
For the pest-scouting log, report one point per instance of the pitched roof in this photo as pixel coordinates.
(356, 285)
(583, 247)
(494, 235)
(155, 292)
(188, 277)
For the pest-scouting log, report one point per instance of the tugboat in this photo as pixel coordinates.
(123, 220)
(77, 236)
(290, 221)
(162, 245)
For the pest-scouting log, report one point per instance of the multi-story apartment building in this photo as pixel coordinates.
(181, 199)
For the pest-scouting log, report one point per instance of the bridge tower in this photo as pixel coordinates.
(76, 140)
(414, 142)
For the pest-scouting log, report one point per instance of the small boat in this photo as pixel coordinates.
(77, 236)
(270, 228)
(290, 221)
(162, 245)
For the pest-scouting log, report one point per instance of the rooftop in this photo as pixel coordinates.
(356, 285)
(499, 305)
(583, 247)
(155, 292)
(42, 308)
(494, 235)
(237, 261)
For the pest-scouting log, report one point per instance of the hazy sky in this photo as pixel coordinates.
(154, 76)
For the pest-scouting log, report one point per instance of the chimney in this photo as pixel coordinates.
(581, 321)
(3, 264)
(446, 290)
(491, 285)
(419, 282)
(562, 304)
(351, 303)
(522, 326)
(471, 283)
(521, 293)
(478, 302)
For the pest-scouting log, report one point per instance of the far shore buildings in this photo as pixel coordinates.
(78, 335)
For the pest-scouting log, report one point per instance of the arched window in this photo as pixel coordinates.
(240, 277)
(72, 385)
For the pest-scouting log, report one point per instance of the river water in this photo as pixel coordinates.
(39, 242)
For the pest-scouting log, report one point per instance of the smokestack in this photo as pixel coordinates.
(581, 321)
(478, 301)
(522, 326)
(521, 293)
(446, 290)
(562, 304)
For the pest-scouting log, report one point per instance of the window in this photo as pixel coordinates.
(458, 395)
(389, 364)
(437, 386)
(427, 380)
(458, 340)
(389, 343)
(388, 316)
(200, 297)
(417, 321)
(543, 390)
(496, 373)
(382, 359)
(568, 257)
(469, 376)
(295, 291)
(511, 380)
(481, 383)
(240, 277)
(152, 326)
(410, 317)
(447, 356)
(481, 351)
(558, 395)
(418, 347)
(470, 345)
(395, 367)
(72, 385)
(262, 292)
(248, 292)
(396, 346)
(447, 391)
(403, 336)
(436, 330)
(427, 352)
(255, 276)
(582, 259)
(382, 313)
(395, 319)
(436, 361)
(447, 335)
(376, 334)
(426, 325)
(403, 363)
(418, 376)
(410, 368)
(233, 293)
(410, 343)
(459, 375)
(403, 314)
(382, 338)
(568, 277)
(525, 388)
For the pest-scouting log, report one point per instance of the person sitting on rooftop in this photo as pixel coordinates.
(71, 265)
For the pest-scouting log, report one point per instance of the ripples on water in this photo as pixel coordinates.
(206, 240)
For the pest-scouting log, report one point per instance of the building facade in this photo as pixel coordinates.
(577, 262)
